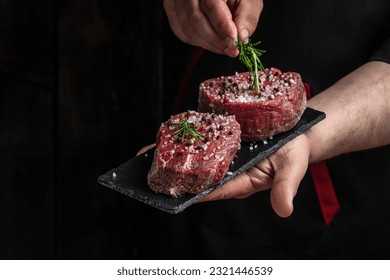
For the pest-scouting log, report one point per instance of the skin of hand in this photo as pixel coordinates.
(357, 117)
(213, 24)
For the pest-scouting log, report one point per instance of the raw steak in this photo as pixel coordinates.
(190, 165)
(276, 108)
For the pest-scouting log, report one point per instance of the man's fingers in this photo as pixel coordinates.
(213, 24)
(242, 186)
(173, 19)
(191, 24)
(220, 17)
(290, 168)
(146, 148)
(282, 196)
(232, 189)
(246, 17)
(198, 28)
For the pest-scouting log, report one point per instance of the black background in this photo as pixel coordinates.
(81, 91)
(85, 84)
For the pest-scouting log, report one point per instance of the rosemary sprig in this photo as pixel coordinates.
(250, 56)
(187, 128)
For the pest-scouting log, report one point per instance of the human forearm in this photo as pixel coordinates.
(358, 113)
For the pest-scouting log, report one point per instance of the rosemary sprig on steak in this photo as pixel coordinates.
(187, 128)
(250, 56)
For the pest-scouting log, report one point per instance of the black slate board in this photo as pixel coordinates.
(130, 177)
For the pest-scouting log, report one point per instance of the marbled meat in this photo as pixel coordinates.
(275, 109)
(186, 164)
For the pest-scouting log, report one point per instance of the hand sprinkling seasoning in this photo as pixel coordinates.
(250, 56)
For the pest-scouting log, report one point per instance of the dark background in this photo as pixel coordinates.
(83, 86)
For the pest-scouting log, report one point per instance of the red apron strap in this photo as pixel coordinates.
(323, 184)
(325, 190)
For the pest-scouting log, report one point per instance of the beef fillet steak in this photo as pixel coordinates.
(186, 164)
(276, 108)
